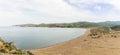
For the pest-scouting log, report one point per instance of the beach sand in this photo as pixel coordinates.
(104, 44)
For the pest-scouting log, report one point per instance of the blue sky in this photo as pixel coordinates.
(14, 12)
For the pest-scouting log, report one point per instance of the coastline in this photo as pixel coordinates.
(106, 44)
(36, 51)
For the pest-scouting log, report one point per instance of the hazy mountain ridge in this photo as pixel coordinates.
(83, 24)
(109, 23)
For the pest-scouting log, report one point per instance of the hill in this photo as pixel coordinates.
(109, 23)
(74, 24)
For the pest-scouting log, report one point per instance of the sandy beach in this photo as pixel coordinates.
(100, 44)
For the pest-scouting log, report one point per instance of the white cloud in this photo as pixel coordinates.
(49, 11)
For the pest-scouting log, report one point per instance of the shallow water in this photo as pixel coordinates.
(38, 37)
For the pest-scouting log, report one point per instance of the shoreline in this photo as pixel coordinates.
(62, 43)
(87, 30)
(100, 44)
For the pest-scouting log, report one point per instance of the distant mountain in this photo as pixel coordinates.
(27, 25)
(67, 25)
(109, 23)
(116, 22)
(74, 24)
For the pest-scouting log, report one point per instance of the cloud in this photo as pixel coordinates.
(49, 11)
(96, 7)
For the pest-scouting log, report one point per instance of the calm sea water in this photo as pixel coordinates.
(37, 37)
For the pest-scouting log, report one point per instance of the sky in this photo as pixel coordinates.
(14, 12)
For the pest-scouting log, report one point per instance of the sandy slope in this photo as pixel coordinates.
(107, 44)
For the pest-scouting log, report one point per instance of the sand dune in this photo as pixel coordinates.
(99, 44)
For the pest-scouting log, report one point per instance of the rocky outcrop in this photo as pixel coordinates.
(9, 48)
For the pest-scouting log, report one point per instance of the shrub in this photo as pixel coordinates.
(23, 52)
(3, 50)
(116, 28)
(13, 52)
(2, 53)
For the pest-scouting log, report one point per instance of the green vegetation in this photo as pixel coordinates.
(108, 23)
(63, 25)
(19, 52)
(3, 50)
(68, 25)
(9, 48)
(100, 30)
(116, 28)
(74, 24)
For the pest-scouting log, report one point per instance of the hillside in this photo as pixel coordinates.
(109, 23)
(116, 28)
(7, 48)
(74, 24)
